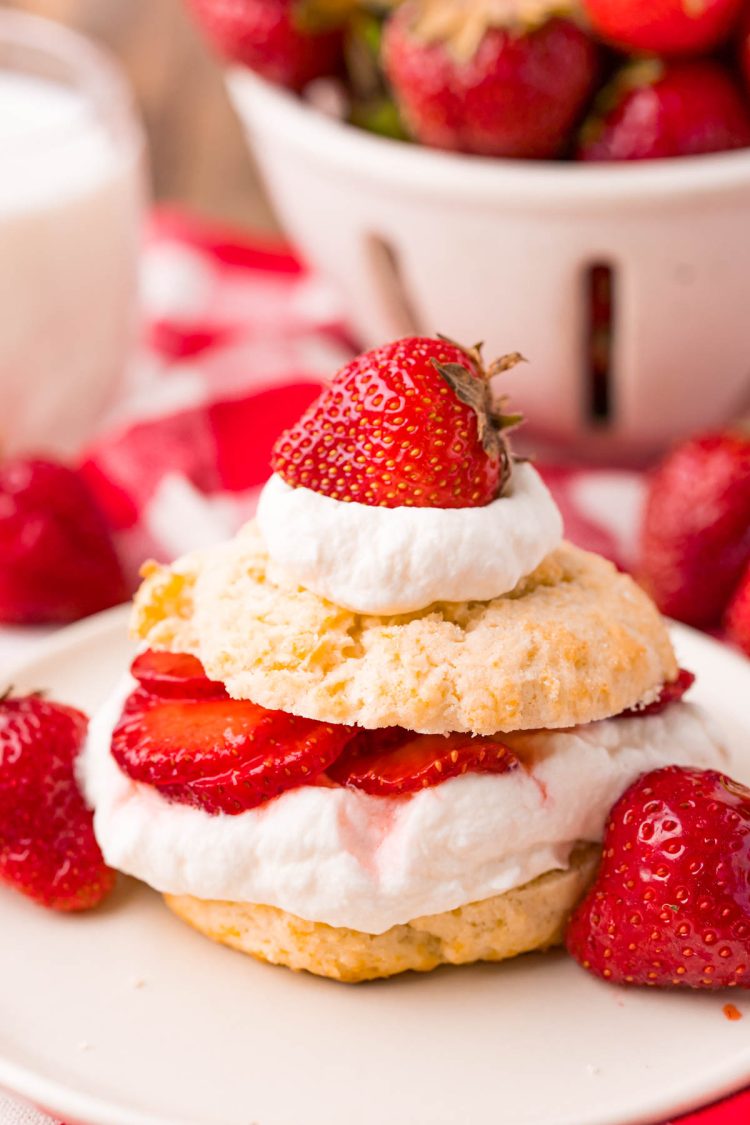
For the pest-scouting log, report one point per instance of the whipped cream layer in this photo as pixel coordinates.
(397, 560)
(368, 863)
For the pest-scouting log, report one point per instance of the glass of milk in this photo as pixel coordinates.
(71, 196)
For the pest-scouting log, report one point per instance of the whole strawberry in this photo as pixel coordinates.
(695, 538)
(407, 424)
(745, 49)
(47, 846)
(664, 27)
(290, 42)
(670, 906)
(653, 110)
(489, 79)
(737, 619)
(57, 559)
(181, 733)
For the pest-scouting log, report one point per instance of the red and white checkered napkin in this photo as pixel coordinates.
(238, 338)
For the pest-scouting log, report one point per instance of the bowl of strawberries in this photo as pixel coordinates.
(576, 175)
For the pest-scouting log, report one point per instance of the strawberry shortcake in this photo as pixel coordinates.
(383, 727)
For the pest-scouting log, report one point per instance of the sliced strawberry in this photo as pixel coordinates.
(174, 741)
(670, 693)
(297, 755)
(323, 781)
(391, 762)
(224, 755)
(175, 675)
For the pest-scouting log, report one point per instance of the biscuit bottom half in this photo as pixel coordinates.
(531, 917)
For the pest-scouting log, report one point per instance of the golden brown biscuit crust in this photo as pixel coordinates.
(575, 641)
(519, 921)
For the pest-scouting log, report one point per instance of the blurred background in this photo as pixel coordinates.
(197, 154)
(154, 355)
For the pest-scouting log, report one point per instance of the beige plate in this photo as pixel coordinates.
(127, 1017)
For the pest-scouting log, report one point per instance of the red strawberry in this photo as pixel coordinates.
(671, 903)
(175, 675)
(664, 27)
(47, 846)
(653, 110)
(57, 559)
(670, 693)
(695, 539)
(222, 755)
(286, 41)
(408, 424)
(737, 618)
(468, 79)
(391, 762)
(745, 48)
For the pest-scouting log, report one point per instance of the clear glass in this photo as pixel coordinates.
(71, 206)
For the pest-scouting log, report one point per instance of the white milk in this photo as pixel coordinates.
(70, 197)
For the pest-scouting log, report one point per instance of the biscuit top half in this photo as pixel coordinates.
(574, 642)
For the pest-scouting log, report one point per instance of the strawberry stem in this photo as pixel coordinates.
(474, 391)
(462, 25)
(505, 363)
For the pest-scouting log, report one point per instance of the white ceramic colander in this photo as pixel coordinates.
(506, 252)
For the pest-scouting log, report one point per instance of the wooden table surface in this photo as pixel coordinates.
(198, 156)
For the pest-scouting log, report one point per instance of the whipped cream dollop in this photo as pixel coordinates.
(368, 863)
(397, 560)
